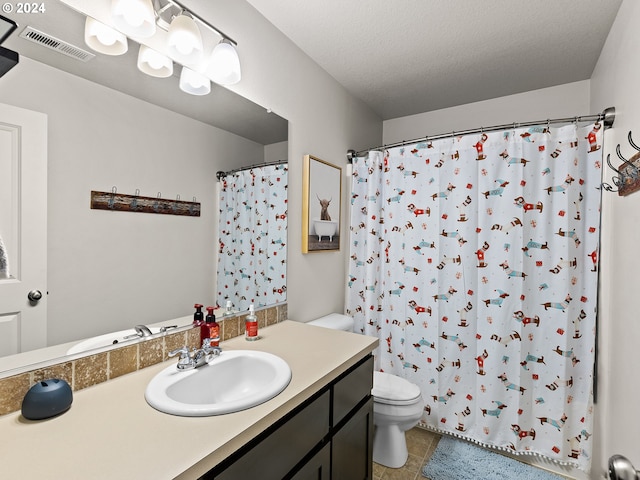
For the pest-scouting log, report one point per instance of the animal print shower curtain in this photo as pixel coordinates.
(252, 237)
(474, 260)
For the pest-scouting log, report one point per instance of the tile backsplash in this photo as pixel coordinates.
(101, 367)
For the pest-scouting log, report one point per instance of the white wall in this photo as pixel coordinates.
(324, 121)
(275, 152)
(562, 101)
(615, 83)
(141, 268)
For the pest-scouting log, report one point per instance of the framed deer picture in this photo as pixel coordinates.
(321, 206)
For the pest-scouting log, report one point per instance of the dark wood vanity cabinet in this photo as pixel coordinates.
(329, 437)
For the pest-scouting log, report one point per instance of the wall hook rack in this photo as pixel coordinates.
(627, 178)
(135, 203)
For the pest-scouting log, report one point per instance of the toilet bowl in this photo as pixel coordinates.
(397, 405)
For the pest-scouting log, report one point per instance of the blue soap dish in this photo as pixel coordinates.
(47, 399)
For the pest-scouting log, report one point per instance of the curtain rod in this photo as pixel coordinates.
(220, 174)
(607, 116)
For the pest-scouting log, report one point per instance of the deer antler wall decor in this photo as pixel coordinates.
(627, 178)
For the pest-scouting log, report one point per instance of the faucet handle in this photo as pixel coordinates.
(208, 349)
(185, 361)
(183, 351)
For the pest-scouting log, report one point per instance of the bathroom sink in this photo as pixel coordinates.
(232, 381)
(106, 340)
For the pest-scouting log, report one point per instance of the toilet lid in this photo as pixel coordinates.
(394, 390)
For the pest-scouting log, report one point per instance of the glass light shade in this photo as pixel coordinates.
(154, 63)
(134, 18)
(194, 83)
(184, 41)
(224, 66)
(104, 39)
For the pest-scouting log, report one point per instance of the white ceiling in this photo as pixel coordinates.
(403, 57)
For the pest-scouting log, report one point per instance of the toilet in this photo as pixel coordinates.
(397, 405)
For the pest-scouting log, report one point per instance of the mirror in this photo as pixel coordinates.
(110, 125)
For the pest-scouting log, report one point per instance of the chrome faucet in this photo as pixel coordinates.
(142, 330)
(196, 358)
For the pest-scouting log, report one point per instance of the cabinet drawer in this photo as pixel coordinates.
(278, 453)
(351, 389)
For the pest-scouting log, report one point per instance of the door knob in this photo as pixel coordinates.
(34, 296)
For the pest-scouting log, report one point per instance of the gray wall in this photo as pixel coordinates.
(615, 83)
(324, 121)
(562, 101)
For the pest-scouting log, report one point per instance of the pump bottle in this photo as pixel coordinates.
(210, 330)
(251, 325)
(198, 316)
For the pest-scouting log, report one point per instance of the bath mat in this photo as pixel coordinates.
(459, 460)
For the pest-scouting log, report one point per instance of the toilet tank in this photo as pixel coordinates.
(335, 321)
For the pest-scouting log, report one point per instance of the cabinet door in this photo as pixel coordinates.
(353, 447)
(275, 456)
(349, 391)
(318, 468)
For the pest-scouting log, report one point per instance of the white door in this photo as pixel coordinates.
(23, 229)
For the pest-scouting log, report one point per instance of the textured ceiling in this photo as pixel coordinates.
(403, 57)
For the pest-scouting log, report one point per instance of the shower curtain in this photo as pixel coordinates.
(474, 260)
(252, 237)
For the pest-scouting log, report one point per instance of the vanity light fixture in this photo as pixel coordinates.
(224, 66)
(193, 82)
(134, 18)
(104, 39)
(184, 40)
(154, 63)
(179, 40)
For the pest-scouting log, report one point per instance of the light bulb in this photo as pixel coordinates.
(224, 66)
(104, 39)
(154, 63)
(135, 18)
(184, 41)
(193, 82)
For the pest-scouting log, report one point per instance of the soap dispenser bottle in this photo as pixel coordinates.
(198, 316)
(251, 325)
(210, 331)
(228, 309)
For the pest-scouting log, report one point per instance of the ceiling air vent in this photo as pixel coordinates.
(56, 44)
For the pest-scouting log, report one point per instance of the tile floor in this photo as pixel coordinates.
(421, 444)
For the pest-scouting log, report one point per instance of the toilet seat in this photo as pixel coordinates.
(393, 390)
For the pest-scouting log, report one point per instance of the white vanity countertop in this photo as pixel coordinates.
(111, 432)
